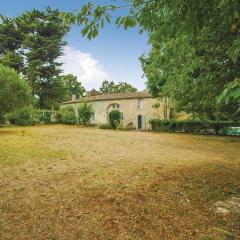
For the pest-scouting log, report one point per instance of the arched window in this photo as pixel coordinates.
(113, 106)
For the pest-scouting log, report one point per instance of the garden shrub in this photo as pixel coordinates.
(114, 118)
(45, 117)
(192, 126)
(68, 115)
(21, 117)
(85, 113)
(42, 116)
(58, 117)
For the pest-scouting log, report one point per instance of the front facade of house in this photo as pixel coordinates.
(136, 108)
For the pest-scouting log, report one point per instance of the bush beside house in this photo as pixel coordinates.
(85, 113)
(68, 116)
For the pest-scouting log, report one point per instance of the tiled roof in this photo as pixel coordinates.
(112, 96)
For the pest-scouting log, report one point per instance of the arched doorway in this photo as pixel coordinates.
(113, 106)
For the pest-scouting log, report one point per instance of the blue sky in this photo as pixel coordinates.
(113, 55)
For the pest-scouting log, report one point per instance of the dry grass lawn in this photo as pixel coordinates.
(68, 182)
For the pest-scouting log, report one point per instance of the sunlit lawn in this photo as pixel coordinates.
(68, 182)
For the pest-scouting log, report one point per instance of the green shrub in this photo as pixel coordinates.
(114, 118)
(68, 115)
(21, 117)
(85, 113)
(45, 117)
(42, 116)
(58, 117)
(192, 126)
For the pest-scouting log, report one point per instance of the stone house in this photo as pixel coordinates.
(137, 108)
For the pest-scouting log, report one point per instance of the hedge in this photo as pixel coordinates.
(21, 117)
(192, 126)
(28, 116)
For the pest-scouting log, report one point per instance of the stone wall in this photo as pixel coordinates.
(130, 109)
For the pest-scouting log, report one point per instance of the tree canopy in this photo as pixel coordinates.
(73, 86)
(195, 53)
(15, 93)
(111, 87)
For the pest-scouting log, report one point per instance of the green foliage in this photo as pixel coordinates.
(114, 118)
(10, 40)
(45, 117)
(192, 126)
(12, 60)
(58, 117)
(231, 92)
(21, 117)
(85, 113)
(72, 86)
(42, 116)
(192, 63)
(68, 115)
(110, 87)
(14, 91)
(31, 43)
(90, 18)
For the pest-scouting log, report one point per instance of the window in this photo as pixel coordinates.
(114, 106)
(121, 116)
(140, 103)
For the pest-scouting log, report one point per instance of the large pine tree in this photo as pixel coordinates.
(32, 43)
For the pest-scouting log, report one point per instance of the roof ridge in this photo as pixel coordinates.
(112, 96)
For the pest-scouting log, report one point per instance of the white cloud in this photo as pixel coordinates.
(87, 69)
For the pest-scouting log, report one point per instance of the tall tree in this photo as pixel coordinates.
(32, 43)
(125, 87)
(107, 87)
(11, 40)
(110, 87)
(73, 86)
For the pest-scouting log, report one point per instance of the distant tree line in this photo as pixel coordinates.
(108, 87)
